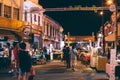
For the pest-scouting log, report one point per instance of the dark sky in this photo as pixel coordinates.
(76, 22)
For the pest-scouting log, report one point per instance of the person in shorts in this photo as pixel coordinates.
(25, 62)
(32, 73)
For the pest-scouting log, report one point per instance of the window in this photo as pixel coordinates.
(44, 26)
(15, 13)
(25, 16)
(38, 20)
(35, 18)
(53, 31)
(31, 17)
(47, 30)
(50, 30)
(7, 11)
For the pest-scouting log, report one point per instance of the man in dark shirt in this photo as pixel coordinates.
(67, 56)
(24, 61)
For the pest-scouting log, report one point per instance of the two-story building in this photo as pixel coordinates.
(11, 21)
(50, 30)
(24, 20)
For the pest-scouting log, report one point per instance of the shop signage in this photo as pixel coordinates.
(112, 64)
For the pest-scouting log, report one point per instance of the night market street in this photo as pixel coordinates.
(56, 70)
(59, 39)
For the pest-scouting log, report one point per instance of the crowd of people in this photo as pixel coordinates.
(19, 61)
(73, 54)
(70, 57)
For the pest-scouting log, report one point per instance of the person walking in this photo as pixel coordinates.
(73, 54)
(67, 56)
(14, 59)
(9, 54)
(32, 73)
(25, 62)
(44, 52)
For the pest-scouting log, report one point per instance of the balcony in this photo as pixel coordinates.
(9, 24)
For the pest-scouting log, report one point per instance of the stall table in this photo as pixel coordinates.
(101, 63)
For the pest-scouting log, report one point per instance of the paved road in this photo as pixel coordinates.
(55, 70)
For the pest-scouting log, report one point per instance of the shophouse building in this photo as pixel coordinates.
(24, 20)
(32, 19)
(11, 21)
(52, 36)
(46, 31)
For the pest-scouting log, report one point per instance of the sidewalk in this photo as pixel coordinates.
(91, 73)
(4, 70)
(83, 72)
(54, 69)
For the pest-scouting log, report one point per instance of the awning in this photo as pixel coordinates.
(23, 36)
(111, 37)
(5, 32)
(13, 35)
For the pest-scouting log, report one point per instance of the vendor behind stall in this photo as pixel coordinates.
(118, 47)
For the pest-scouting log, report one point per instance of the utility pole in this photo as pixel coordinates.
(68, 39)
(103, 31)
(116, 23)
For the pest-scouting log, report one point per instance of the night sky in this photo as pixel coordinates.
(77, 22)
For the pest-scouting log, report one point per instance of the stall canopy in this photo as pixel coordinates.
(111, 37)
(13, 35)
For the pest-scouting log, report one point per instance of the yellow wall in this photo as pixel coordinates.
(14, 3)
(10, 24)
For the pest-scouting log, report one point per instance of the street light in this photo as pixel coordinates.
(103, 32)
(101, 13)
(109, 2)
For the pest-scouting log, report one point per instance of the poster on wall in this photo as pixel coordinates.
(112, 64)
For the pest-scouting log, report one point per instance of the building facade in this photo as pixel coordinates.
(33, 22)
(25, 21)
(50, 31)
(52, 36)
(10, 20)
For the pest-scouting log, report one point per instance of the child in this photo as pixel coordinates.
(32, 73)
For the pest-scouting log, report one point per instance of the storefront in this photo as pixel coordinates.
(13, 29)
